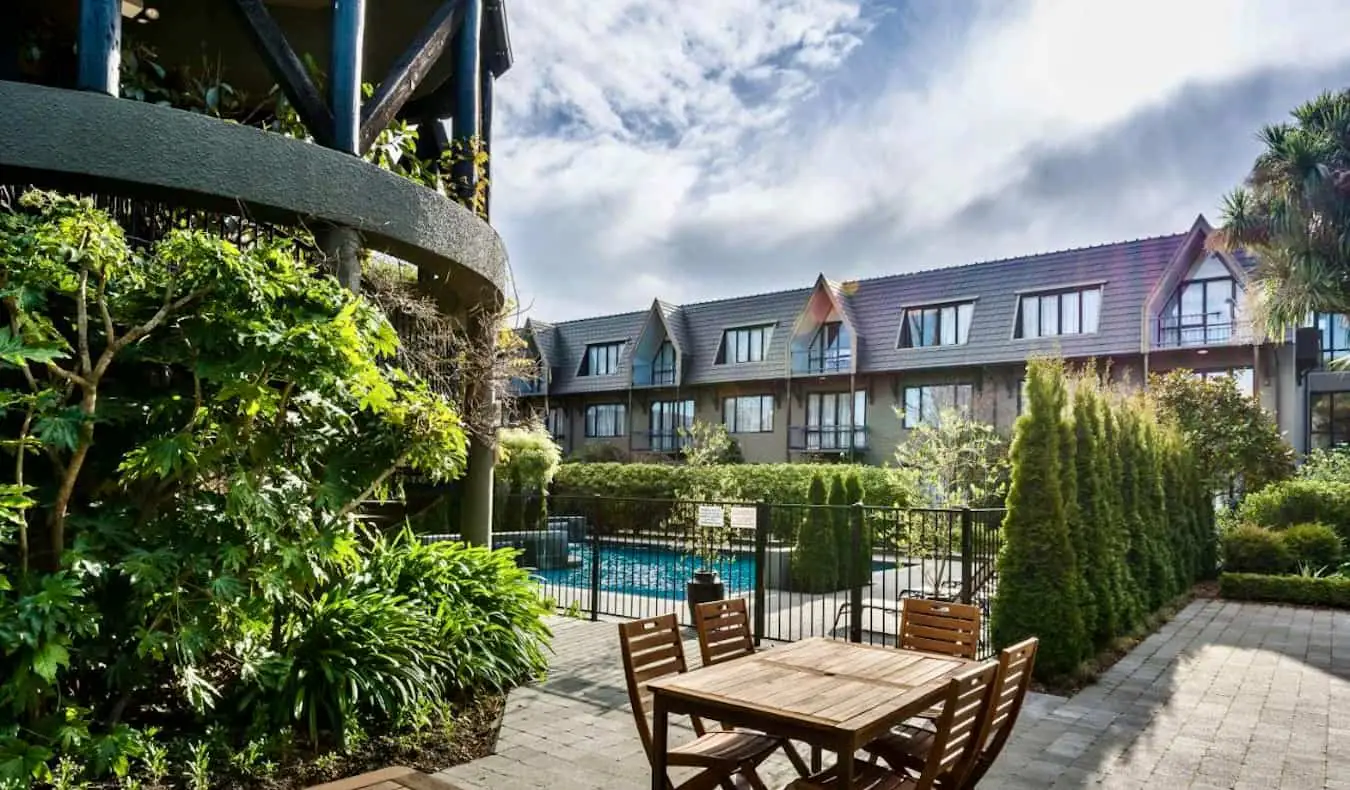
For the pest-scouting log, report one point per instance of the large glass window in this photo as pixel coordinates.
(602, 359)
(748, 414)
(1075, 312)
(744, 344)
(1329, 420)
(942, 325)
(606, 420)
(836, 420)
(1335, 331)
(829, 352)
(1203, 308)
(1242, 376)
(926, 404)
(555, 422)
(663, 364)
(669, 421)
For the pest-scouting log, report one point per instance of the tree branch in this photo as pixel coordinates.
(102, 299)
(82, 314)
(370, 489)
(18, 481)
(169, 307)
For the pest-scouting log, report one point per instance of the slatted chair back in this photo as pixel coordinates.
(723, 630)
(956, 741)
(651, 649)
(952, 629)
(1015, 665)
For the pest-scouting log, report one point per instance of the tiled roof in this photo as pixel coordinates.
(1127, 271)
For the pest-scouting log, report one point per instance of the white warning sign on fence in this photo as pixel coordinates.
(743, 517)
(710, 516)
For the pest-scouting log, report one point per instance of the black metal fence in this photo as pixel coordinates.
(805, 570)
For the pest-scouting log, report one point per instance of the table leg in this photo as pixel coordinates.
(844, 764)
(660, 737)
(815, 759)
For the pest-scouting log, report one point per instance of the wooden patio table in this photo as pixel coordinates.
(828, 693)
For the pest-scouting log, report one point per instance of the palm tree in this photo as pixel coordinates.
(1294, 215)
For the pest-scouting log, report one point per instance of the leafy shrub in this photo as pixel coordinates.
(1333, 591)
(1328, 466)
(1315, 546)
(1252, 549)
(815, 559)
(600, 453)
(1299, 502)
(785, 484)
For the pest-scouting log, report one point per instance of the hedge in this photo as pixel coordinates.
(1333, 591)
(782, 484)
(1293, 502)
(1106, 521)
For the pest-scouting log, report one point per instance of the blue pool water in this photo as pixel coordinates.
(654, 571)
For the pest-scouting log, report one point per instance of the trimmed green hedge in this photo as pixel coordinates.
(1299, 502)
(1333, 591)
(778, 484)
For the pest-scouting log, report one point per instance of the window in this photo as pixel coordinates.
(602, 359)
(666, 420)
(555, 422)
(606, 420)
(944, 325)
(1203, 308)
(926, 404)
(744, 344)
(1335, 330)
(1243, 377)
(663, 364)
(829, 352)
(1074, 312)
(836, 420)
(1329, 420)
(748, 414)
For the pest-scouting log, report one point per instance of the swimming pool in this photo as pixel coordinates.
(655, 571)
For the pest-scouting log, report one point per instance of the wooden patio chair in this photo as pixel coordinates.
(723, 630)
(652, 649)
(908, 748)
(953, 748)
(951, 629)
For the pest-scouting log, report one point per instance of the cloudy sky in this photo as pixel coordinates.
(694, 149)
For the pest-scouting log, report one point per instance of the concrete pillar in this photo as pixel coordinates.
(476, 507)
(341, 248)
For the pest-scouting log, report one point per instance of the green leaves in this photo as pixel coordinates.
(14, 351)
(60, 430)
(49, 659)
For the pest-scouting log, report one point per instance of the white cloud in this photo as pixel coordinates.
(628, 127)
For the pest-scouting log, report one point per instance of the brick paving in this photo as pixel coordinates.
(1227, 695)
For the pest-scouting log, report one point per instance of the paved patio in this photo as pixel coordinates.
(1227, 695)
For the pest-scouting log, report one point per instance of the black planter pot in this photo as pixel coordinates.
(704, 587)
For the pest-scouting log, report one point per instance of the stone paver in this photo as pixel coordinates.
(1227, 695)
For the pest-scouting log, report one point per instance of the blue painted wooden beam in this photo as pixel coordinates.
(485, 135)
(100, 46)
(466, 119)
(349, 33)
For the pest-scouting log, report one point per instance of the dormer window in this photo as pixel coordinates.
(602, 359)
(744, 344)
(1074, 311)
(663, 364)
(1203, 309)
(939, 325)
(829, 351)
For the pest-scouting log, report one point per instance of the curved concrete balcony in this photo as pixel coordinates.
(79, 141)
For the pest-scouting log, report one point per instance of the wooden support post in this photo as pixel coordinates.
(287, 69)
(100, 46)
(344, 90)
(409, 70)
(467, 65)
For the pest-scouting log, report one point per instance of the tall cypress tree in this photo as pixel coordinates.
(815, 564)
(853, 485)
(1038, 574)
(1094, 513)
(1121, 499)
(841, 524)
(1073, 518)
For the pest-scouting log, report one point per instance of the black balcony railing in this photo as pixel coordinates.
(663, 377)
(663, 441)
(827, 438)
(1210, 329)
(822, 362)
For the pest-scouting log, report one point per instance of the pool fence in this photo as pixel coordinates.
(805, 570)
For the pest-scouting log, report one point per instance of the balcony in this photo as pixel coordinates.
(1196, 331)
(827, 438)
(663, 441)
(824, 363)
(663, 376)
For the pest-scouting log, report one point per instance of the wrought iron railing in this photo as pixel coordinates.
(1209, 329)
(827, 438)
(822, 362)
